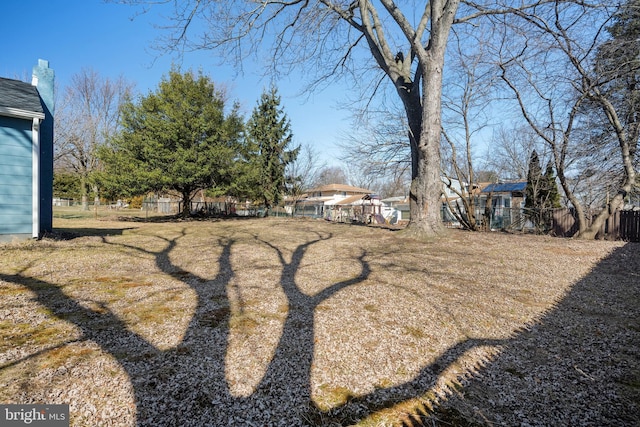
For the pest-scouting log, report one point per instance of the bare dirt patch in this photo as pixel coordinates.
(300, 322)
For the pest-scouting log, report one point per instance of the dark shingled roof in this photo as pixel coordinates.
(19, 95)
(505, 187)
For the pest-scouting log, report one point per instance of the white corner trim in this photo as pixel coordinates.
(20, 114)
(35, 177)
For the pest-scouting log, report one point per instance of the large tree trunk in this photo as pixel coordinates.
(96, 197)
(426, 185)
(84, 193)
(616, 201)
(186, 204)
(592, 230)
(581, 218)
(627, 141)
(425, 201)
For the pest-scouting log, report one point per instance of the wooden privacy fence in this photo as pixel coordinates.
(630, 225)
(621, 225)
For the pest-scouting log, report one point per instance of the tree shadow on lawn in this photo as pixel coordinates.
(579, 365)
(59, 233)
(159, 219)
(187, 384)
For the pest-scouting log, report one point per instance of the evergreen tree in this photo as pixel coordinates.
(551, 195)
(175, 139)
(535, 192)
(617, 70)
(66, 185)
(541, 192)
(534, 183)
(269, 134)
(617, 64)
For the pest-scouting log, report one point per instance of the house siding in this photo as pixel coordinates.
(16, 176)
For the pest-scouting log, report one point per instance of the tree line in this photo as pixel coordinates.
(559, 78)
(183, 138)
(429, 81)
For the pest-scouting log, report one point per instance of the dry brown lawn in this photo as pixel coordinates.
(304, 322)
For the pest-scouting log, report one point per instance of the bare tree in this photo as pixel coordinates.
(393, 187)
(377, 151)
(378, 142)
(402, 42)
(466, 101)
(552, 81)
(303, 172)
(364, 178)
(595, 161)
(87, 116)
(509, 151)
(331, 175)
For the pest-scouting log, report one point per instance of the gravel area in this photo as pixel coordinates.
(302, 322)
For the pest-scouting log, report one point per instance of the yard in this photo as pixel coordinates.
(304, 322)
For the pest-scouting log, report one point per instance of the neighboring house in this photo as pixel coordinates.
(26, 155)
(505, 201)
(395, 200)
(459, 200)
(314, 202)
(366, 209)
(396, 209)
(449, 198)
(337, 191)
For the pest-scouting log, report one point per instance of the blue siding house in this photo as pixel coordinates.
(26, 155)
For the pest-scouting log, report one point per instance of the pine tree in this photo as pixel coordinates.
(175, 139)
(534, 183)
(618, 62)
(269, 132)
(535, 192)
(541, 192)
(551, 195)
(617, 69)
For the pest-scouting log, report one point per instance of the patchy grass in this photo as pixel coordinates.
(376, 319)
(103, 211)
(333, 396)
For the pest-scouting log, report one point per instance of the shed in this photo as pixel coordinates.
(505, 194)
(26, 155)
(515, 188)
(504, 202)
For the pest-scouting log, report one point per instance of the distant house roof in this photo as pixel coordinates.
(340, 187)
(356, 199)
(19, 99)
(505, 187)
(349, 200)
(396, 199)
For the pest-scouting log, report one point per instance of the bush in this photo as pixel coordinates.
(136, 202)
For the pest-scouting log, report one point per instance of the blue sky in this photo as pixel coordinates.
(76, 34)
